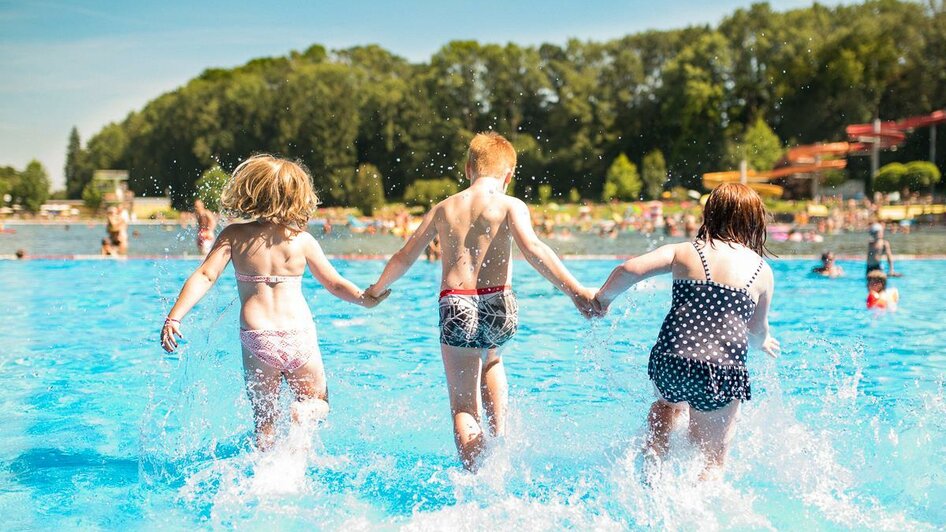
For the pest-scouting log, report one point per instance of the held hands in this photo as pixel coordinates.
(370, 298)
(584, 300)
(602, 303)
(171, 329)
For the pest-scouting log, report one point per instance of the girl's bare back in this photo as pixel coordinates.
(267, 249)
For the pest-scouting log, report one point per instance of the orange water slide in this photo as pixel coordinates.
(936, 117)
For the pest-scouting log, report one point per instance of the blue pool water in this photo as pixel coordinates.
(101, 429)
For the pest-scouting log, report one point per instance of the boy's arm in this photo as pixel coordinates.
(544, 260)
(634, 271)
(759, 335)
(889, 253)
(195, 288)
(328, 276)
(401, 261)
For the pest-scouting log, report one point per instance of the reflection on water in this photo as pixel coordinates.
(102, 429)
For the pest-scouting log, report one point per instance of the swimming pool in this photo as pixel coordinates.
(102, 429)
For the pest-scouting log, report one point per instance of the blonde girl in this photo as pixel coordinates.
(270, 254)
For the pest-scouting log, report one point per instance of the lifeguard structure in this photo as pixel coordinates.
(811, 160)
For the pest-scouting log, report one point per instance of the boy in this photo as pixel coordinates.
(879, 248)
(878, 296)
(478, 311)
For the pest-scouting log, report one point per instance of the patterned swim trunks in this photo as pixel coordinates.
(484, 318)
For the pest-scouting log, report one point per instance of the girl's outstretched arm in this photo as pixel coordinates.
(401, 261)
(327, 276)
(634, 271)
(195, 288)
(759, 335)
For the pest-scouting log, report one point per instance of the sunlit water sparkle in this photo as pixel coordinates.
(102, 429)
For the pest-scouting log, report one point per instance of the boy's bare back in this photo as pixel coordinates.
(475, 238)
(476, 229)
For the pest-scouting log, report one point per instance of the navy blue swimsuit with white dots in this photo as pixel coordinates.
(700, 354)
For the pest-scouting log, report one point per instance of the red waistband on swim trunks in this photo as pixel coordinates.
(474, 291)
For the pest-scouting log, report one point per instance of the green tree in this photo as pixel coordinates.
(573, 195)
(74, 164)
(919, 176)
(654, 173)
(833, 178)
(365, 190)
(92, 196)
(8, 179)
(889, 177)
(426, 192)
(693, 99)
(568, 109)
(759, 146)
(209, 187)
(545, 194)
(622, 181)
(32, 189)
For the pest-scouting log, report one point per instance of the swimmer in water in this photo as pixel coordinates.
(478, 310)
(117, 227)
(879, 297)
(270, 255)
(878, 248)
(828, 267)
(722, 289)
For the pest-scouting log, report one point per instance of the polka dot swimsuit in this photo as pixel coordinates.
(700, 354)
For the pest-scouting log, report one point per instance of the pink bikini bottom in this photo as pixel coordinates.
(285, 350)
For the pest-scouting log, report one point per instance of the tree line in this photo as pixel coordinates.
(583, 116)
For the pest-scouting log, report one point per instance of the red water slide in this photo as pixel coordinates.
(812, 159)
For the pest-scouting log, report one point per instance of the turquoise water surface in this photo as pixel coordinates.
(102, 429)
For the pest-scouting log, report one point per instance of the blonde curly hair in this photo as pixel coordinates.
(270, 188)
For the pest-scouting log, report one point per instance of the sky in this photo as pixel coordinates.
(85, 64)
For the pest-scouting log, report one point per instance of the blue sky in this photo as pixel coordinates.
(89, 63)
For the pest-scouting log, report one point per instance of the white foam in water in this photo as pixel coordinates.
(513, 513)
(772, 444)
(791, 464)
(353, 322)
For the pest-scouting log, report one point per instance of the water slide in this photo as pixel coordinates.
(812, 159)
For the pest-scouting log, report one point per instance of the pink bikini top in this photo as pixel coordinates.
(269, 279)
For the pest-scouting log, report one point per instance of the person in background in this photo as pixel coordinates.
(206, 227)
(20, 253)
(117, 229)
(828, 267)
(433, 250)
(878, 296)
(690, 226)
(877, 249)
(107, 250)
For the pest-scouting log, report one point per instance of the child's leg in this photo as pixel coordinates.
(309, 386)
(713, 431)
(660, 421)
(262, 387)
(463, 367)
(495, 392)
